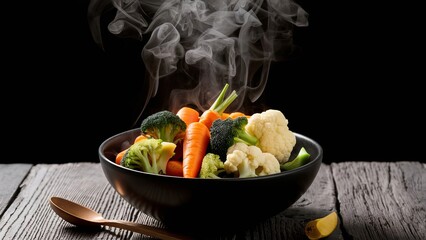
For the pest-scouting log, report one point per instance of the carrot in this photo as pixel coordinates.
(195, 145)
(218, 107)
(120, 156)
(188, 115)
(208, 117)
(234, 115)
(140, 138)
(224, 116)
(174, 168)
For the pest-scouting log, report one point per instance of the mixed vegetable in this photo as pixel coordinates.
(213, 144)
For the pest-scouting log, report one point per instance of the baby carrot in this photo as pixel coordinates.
(234, 115)
(195, 145)
(224, 116)
(140, 138)
(188, 115)
(208, 117)
(120, 156)
(218, 107)
(174, 168)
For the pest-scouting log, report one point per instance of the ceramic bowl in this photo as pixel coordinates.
(195, 204)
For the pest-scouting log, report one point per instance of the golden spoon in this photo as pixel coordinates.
(82, 216)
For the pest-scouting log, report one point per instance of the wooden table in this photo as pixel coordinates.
(374, 200)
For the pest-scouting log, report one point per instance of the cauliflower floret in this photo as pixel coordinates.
(249, 161)
(270, 165)
(271, 128)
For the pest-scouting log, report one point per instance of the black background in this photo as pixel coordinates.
(353, 83)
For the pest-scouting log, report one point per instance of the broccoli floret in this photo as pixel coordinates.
(212, 166)
(164, 125)
(150, 155)
(225, 133)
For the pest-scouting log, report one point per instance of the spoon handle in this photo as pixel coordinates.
(145, 229)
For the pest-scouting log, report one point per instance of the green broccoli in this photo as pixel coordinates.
(150, 155)
(164, 125)
(225, 133)
(211, 167)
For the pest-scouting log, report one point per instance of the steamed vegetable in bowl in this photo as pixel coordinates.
(176, 201)
(213, 144)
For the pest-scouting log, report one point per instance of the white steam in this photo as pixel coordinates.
(196, 46)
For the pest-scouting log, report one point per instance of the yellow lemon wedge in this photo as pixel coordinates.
(322, 227)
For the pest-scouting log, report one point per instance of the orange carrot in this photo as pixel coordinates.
(120, 156)
(234, 115)
(140, 138)
(208, 117)
(195, 145)
(188, 115)
(174, 168)
(218, 107)
(224, 116)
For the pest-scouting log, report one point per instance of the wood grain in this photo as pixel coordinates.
(11, 177)
(318, 201)
(382, 200)
(30, 216)
(375, 200)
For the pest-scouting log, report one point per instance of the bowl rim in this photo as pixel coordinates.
(104, 159)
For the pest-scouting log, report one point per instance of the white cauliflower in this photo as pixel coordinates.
(271, 128)
(249, 161)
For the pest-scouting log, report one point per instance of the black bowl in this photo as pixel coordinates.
(194, 204)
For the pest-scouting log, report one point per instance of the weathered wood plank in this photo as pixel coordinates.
(381, 200)
(11, 176)
(30, 216)
(317, 202)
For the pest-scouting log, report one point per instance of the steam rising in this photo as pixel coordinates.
(196, 46)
